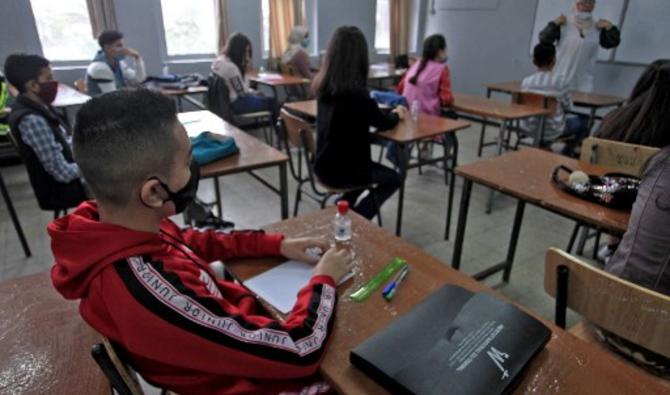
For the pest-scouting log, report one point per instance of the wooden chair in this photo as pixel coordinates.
(300, 135)
(625, 309)
(121, 376)
(294, 93)
(80, 85)
(620, 157)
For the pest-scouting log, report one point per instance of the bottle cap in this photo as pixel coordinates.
(342, 207)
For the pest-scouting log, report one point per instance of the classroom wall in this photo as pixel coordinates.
(492, 46)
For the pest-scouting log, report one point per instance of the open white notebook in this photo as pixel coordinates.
(280, 285)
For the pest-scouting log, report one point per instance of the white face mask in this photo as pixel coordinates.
(583, 15)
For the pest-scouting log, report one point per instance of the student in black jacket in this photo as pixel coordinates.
(345, 114)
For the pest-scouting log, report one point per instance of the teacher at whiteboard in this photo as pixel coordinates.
(579, 37)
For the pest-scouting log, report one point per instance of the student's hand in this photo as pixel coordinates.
(603, 24)
(561, 20)
(401, 111)
(334, 263)
(294, 249)
(131, 52)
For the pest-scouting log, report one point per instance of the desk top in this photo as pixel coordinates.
(567, 364)
(182, 92)
(384, 70)
(583, 99)
(276, 79)
(483, 107)
(406, 131)
(68, 96)
(526, 174)
(45, 346)
(254, 153)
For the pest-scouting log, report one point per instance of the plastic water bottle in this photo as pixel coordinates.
(342, 222)
(415, 110)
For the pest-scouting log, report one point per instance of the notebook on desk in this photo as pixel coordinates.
(454, 342)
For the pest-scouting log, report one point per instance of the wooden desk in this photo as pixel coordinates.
(67, 96)
(567, 365)
(380, 71)
(406, 133)
(526, 176)
(45, 346)
(275, 80)
(592, 101)
(479, 109)
(186, 94)
(254, 154)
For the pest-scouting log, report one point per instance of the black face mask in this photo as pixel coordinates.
(184, 197)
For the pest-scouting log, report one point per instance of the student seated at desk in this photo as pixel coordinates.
(643, 256)
(232, 65)
(428, 82)
(111, 69)
(296, 54)
(642, 120)
(146, 284)
(42, 134)
(345, 114)
(546, 82)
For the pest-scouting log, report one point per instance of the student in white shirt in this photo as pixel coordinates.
(549, 83)
(115, 66)
(232, 65)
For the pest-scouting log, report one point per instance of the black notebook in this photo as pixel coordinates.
(454, 342)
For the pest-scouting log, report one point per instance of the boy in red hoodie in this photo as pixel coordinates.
(146, 284)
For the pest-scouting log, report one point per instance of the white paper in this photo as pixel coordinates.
(280, 285)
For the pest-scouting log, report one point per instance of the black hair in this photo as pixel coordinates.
(432, 45)
(123, 138)
(22, 68)
(109, 37)
(346, 65)
(236, 50)
(643, 119)
(544, 54)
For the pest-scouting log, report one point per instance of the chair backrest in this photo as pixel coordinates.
(217, 99)
(299, 133)
(80, 85)
(621, 157)
(122, 378)
(286, 68)
(537, 100)
(621, 307)
(401, 61)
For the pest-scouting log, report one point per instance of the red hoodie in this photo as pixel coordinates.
(155, 295)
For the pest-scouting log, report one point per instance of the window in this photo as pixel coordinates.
(382, 27)
(189, 27)
(64, 29)
(265, 14)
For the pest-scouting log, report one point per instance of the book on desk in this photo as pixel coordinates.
(455, 342)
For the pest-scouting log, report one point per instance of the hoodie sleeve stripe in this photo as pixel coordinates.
(165, 295)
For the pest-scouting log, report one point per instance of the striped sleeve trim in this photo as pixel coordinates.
(164, 294)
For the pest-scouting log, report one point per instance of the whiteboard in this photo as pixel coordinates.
(645, 33)
(548, 10)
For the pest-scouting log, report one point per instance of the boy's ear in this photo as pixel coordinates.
(152, 194)
(32, 86)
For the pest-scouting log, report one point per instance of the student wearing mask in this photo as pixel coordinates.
(114, 66)
(42, 134)
(578, 38)
(296, 54)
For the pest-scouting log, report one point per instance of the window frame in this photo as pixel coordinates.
(166, 58)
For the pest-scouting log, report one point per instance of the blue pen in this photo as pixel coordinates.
(390, 289)
(391, 283)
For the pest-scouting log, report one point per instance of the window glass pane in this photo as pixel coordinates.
(265, 10)
(189, 27)
(64, 29)
(382, 27)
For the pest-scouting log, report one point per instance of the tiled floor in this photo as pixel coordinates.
(250, 205)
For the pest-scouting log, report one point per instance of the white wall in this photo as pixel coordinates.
(492, 46)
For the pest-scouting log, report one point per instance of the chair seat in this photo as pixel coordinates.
(334, 190)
